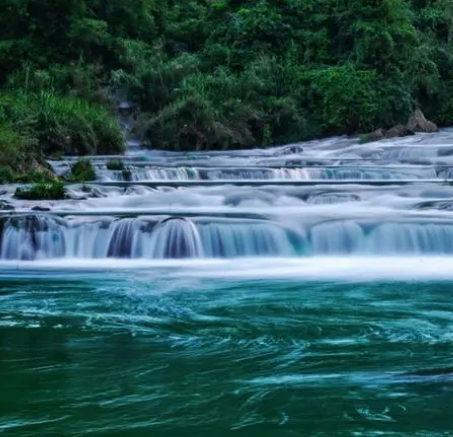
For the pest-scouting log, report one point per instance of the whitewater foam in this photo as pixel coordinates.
(314, 269)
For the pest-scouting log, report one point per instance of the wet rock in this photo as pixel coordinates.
(418, 123)
(5, 206)
(290, 150)
(399, 131)
(40, 208)
(376, 135)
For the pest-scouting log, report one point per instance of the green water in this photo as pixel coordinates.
(132, 354)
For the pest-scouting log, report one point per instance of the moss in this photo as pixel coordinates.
(42, 191)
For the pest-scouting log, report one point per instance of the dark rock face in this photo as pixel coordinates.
(418, 123)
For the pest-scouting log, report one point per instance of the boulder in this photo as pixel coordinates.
(377, 135)
(40, 208)
(399, 131)
(5, 206)
(418, 123)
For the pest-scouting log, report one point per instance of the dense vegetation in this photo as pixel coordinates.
(216, 73)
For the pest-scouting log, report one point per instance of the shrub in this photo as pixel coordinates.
(12, 150)
(83, 171)
(115, 164)
(35, 176)
(42, 191)
(58, 124)
(6, 175)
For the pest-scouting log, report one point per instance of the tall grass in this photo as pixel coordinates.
(60, 125)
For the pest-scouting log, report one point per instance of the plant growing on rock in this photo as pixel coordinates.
(115, 164)
(83, 171)
(42, 191)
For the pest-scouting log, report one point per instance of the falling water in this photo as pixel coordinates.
(39, 237)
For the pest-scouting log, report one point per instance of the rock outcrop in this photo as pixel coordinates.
(418, 123)
(377, 135)
(40, 208)
(398, 131)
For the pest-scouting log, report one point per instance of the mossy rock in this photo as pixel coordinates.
(5, 206)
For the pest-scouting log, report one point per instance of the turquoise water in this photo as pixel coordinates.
(173, 351)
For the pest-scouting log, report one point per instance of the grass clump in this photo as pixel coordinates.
(35, 176)
(58, 125)
(115, 164)
(42, 191)
(83, 171)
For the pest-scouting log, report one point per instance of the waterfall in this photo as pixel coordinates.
(392, 238)
(39, 237)
(332, 238)
(173, 238)
(245, 239)
(123, 238)
(32, 237)
(155, 174)
(309, 173)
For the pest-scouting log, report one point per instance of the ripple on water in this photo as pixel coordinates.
(123, 354)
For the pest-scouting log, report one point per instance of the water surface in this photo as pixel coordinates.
(161, 351)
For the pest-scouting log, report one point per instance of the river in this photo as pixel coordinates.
(299, 290)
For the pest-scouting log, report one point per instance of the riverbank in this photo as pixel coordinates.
(216, 75)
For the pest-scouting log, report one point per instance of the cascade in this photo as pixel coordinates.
(137, 174)
(173, 238)
(32, 237)
(338, 214)
(38, 237)
(245, 239)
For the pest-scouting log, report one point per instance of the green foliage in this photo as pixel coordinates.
(83, 171)
(217, 74)
(35, 176)
(115, 164)
(11, 146)
(6, 175)
(65, 125)
(348, 98)
(42, 191)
